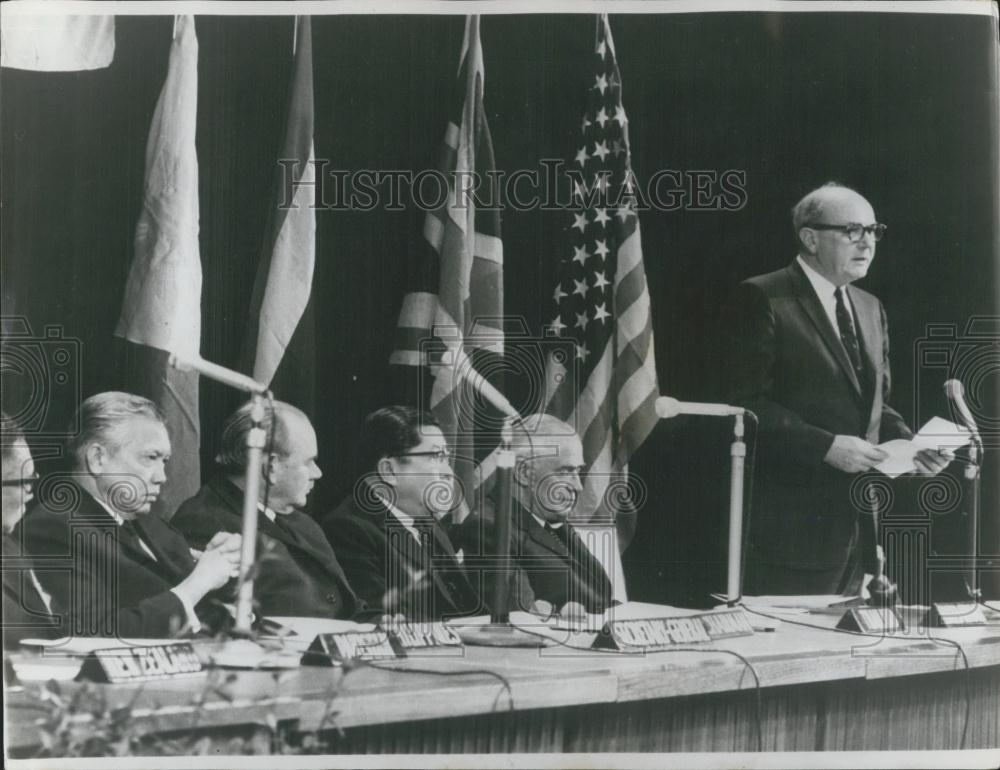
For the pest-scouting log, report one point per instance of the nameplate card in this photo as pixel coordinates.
(956, 614)
(401, 640)
(119, 665)
(667, 632)
(871, 620)
(414, 637)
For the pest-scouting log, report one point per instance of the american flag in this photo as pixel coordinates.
(461, 308)
(602, 302)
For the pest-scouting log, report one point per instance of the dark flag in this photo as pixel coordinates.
(449, 324)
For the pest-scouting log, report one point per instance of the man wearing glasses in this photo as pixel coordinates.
(387, 534)
(812, 361)
(27, 607)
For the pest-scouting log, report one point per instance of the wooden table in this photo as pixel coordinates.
(819, 690)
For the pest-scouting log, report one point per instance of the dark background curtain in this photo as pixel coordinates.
(901, 107)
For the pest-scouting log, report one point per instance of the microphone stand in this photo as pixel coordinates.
(500, 632)
(737, 454)
(973, 476)
(251, 491)
(255, 450)
(504, 471)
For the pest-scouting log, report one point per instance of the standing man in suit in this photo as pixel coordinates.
(27, 607)
(298, 572)
(812, 361)
(386, 534)
(546, 548)
(125, 573)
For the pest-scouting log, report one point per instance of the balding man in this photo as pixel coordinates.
(546, 547)
(125, 572)
(27, 607)
(812, 361)
(298, 572)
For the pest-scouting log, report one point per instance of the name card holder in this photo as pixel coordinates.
(401, 641)
(871, 620)
(651, 634)
(151, 663)
(955, 615)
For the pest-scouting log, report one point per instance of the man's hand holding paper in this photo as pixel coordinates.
(927, 453)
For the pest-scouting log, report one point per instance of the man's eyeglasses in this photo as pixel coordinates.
(27, 481)
(854, 231)
(442, 455)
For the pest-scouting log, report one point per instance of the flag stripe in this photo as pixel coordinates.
(284, 278)
(602, 299)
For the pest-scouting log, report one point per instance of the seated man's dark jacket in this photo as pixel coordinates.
(298, 573)
(99, 574)
(557, 570)
(390, 570)
(24, 613)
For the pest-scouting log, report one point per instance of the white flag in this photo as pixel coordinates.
(54, 42)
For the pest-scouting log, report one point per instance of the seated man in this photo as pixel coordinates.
(124, 572)
(27, 607)
(298, 574)
(396, 555)
(559, 566)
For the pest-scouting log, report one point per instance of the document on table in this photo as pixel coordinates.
(937, 433)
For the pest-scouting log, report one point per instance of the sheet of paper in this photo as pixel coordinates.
(937, 433)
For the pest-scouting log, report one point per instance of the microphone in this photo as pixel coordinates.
(956, 394)
(483, 387)
(667, 407)
(218, 373)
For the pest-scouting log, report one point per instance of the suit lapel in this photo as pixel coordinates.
(814, 310)
(543, 537)
(304, 539)
(156, 535)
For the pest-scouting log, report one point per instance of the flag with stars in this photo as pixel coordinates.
(602, 305)
(453, 321)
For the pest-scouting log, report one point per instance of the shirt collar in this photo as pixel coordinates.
(824, 288)
(543, 523)
(408, 521)
(270, 513)
(119, 519)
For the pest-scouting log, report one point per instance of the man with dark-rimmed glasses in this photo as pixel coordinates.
(811, 359)
(27, 607)
(387, 534)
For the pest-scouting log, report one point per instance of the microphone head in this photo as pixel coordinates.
(667, 407)
(953, 389)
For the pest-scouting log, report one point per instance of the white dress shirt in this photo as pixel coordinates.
(826, 292)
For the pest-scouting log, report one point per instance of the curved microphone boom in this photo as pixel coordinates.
(479, 383)
(218, 373)
(667, 407)
(956, 394)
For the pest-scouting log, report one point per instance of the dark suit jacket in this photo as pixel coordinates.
(554, 570)
(384, 561)
(24, 613)
(791, 369)
(299, 574)
(100, 575)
